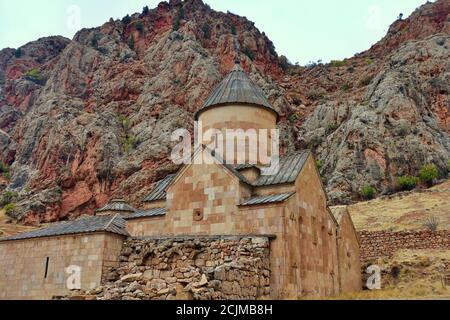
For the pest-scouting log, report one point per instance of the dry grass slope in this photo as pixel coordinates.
(404, 211)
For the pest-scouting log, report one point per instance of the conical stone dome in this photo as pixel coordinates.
(236, 88)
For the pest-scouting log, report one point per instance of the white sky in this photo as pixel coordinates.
(301, 30)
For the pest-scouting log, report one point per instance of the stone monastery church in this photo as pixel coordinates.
(307, 250)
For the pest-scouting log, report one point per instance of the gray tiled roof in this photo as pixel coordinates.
(267, 199)
(145, 214)
(290, 168)
(237, 87)
(117, 205)
(159, 193)
(111, 224)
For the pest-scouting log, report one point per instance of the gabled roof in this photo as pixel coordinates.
(290, 168)
(236, 88)
(159, 193)
(157, 212)
(111, 224)
(117, 205)
(267, 199)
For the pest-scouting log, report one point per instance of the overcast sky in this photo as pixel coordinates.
(301, 30)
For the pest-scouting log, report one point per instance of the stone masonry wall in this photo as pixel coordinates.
(378, 244)
(188, 268)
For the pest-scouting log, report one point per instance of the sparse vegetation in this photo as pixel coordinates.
(365, 81)
(346, 87)
(177, 20)
(368, 192)
(332, 127)
(337, 63)
(140, 26)
(368, 60)
(315, 95)
(131, 42)
(34, 75)
(249, 53)
(145, 11)
(126, 20)
(9, 208)
(293, 118)
(129, 142)
(124, 122)
(432, 223)
(4, 170)
(448, 166)
(233, 30)
(18, 54)
(8, 197)
(206, 31)
(407, 182)
(428, 174)
(284, 63)
(319, 164)
(351, 69)
(94, 42)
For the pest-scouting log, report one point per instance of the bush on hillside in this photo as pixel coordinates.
(407, 182)
(368, 192)
(428, 174)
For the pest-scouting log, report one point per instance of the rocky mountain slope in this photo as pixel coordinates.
(85, 120)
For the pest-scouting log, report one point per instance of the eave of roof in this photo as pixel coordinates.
(157, 212)
(109, 224)
(159, 192)
(260, 200)
(117, 205)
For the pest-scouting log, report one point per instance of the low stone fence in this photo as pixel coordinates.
(189, 268)
(378, 244)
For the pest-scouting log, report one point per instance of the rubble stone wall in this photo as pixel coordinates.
(190, 268)
(378, 244)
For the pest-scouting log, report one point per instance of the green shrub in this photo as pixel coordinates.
(8, 197)
(368, 192)
(140, 26)
(249, 53)
(368, 60)
(448, 166)
(428, 174)
(233, 30)
(129, 142)
(131, 42)
(346, 87)
(3, 167)
(94, 42)
(34, 75)
(319, 164)
(293, 118)
(315, 95)
(18, 54)
(332, 127)
(124, 121)
(337, 63)
(145, 11)
(126, 20)
(206, 31)
(407, 182)
(9, 208)
(177, 20)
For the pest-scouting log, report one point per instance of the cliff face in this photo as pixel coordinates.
(94, 118)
